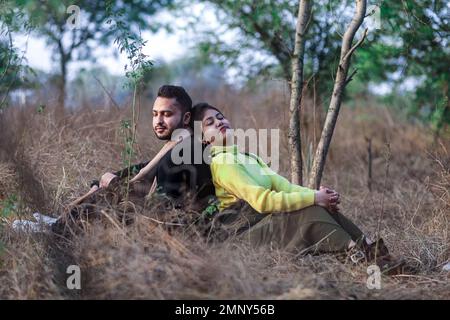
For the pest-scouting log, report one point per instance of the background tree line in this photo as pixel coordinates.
(410, 45)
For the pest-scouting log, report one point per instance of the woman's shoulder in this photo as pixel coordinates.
(254, 159)
(223, 158)
(252, 156)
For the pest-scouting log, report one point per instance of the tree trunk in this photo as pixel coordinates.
(296, 92)
(338, 89)
(61, 102)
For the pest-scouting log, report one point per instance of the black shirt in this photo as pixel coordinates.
(181, 172)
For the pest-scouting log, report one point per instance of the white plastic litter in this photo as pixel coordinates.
(27, 226)
(44, 219)
(41, 224)
(446, 267)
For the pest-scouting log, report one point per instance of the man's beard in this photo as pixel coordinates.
(163, 137)
(168, 135)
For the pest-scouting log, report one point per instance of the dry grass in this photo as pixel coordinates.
(46, 164)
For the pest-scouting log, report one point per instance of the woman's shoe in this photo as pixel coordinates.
(376, 253)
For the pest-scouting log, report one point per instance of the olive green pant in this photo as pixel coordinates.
(313, 229)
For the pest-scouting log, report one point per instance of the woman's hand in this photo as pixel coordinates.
(327, 198)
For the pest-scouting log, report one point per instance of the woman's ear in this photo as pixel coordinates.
(187, 118)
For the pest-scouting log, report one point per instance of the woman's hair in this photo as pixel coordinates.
(198, 111)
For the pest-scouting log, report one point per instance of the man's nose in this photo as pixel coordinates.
(159, 119)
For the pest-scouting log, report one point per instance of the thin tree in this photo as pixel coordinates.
(304, 12)
(339, 85)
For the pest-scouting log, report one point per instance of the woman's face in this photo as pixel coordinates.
(216, 128)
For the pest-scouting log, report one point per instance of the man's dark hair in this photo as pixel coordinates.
(183, 99)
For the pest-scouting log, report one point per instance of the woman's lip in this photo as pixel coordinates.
(224, 129)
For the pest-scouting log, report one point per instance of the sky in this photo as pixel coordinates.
(39, 55)
(161, 46)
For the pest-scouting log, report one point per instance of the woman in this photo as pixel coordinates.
(268, 210)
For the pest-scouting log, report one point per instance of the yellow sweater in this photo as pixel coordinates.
(240, 176)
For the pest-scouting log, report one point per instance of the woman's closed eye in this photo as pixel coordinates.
(208, 121)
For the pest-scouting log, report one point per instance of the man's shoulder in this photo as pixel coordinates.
(187, 152)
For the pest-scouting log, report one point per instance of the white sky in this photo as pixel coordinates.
(160, 46)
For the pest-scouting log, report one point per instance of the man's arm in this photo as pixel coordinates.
(121, 174)
(149, 168)
(134, 169)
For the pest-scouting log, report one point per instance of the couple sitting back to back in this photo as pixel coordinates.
(258, 204)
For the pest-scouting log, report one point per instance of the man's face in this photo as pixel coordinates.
(167, 117)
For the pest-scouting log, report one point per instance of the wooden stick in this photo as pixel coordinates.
(83, 197)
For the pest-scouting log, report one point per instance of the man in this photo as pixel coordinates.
(171, 112)
(163, 174)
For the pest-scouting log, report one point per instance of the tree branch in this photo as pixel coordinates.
(304, 16)
(350, 77)
(338, 89)
(352, 49)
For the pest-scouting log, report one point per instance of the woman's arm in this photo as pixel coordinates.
(235, 180)
(325, 197)
(280, 183)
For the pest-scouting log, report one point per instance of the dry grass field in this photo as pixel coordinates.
(44, 164)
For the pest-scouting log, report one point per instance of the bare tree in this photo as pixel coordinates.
(339, 85)
(73, 35)
(296, 91)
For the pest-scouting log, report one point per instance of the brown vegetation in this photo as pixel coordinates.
(47, 164)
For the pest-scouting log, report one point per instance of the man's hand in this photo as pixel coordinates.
(106, 179)
(327, 198)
